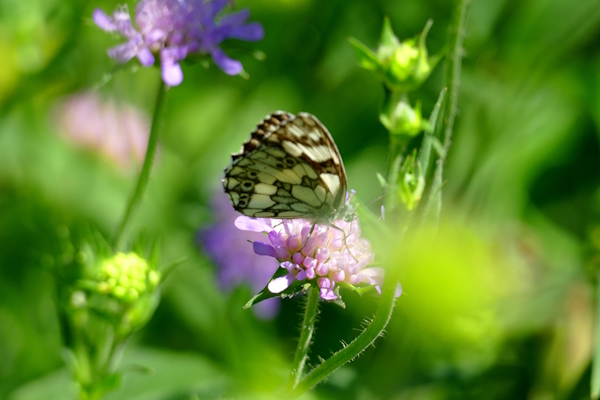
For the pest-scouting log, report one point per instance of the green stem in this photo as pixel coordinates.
(453, 66)
(306, 332)
(142, 181)
(358, 345)
(595, 378)
(396, 149)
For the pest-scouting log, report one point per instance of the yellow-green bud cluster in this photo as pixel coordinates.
(127, 277)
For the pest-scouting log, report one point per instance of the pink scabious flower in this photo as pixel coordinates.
(173, 29)
(319, 255)
(118, 131)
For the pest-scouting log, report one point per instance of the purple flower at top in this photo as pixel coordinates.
(320, 255)
(173, 29)
(237, 264)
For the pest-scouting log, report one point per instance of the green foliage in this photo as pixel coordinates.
(502, 307)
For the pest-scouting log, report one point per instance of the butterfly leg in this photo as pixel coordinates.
(345, 243)
(312, 228)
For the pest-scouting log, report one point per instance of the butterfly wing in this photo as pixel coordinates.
(289, 168)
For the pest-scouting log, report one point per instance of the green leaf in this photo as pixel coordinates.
(366, 57)
(173, 374)
(388, 38)
(423, 35)
(595, 380)
(425, 152)
(438, 147)
(167, 269)
(154, 258)
(295, 288)
(381, 180)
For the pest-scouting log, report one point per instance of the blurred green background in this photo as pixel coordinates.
(503, 309)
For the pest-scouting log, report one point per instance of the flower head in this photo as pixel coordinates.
(117, 131)
(127, 277)
(331, 255)
(173, 29)
(239, 266)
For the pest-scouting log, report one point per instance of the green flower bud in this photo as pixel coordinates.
(104, 287)
(127, 277)
(401, 118)
(131, 295)
(412, 183)
(402, 66)
(119, 291)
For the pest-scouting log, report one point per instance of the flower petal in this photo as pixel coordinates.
(251, 32)
(374, 276)
(169, 60)
(339, 276)
(172, 74)
(310, 262)
(322, 269)
(235, 19)
(264, 249)
(103, 21)
(398, 290)
(326, 289)
(123, 52)
(282, 252)
(218, 6)
(278, 285)
(228, 65)
(145, 57)
(244, 223)
(276, 239)
(298, 258)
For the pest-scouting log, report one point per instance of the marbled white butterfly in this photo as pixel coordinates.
(289, 168)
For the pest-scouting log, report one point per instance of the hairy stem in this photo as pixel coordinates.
(358, 345)
(595, 378)
(306, 332)
(142, 181)
(456, 36)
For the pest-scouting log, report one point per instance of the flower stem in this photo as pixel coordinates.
(142, 181)
(456, 35)
(358, 345)
(306, 332)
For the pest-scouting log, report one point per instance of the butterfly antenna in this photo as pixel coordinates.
(375, 199)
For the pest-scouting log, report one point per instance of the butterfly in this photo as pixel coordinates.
(289, 168)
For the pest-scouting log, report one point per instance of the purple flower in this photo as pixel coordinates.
(173, 29)
(320, 254)
(228, 248)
